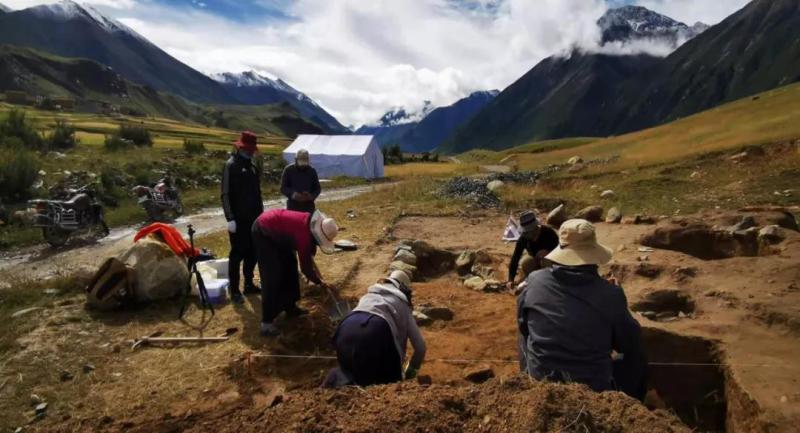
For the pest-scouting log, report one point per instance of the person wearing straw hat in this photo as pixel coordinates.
(300, 184)
(535, 241)
(371, 341)
(571, 319)
(242, 204)
(281, 237)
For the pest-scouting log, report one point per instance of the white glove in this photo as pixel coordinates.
(232, 226)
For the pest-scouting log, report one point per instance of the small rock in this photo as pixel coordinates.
(35, 399)
(771, 233)
(495, 185)
(476, 283)
(478, 374)
(592, 214)
(404, 247)
(66, 376)
(437, 313)
(424, 380)
(557, 216)
(628, 220)
(494, 286)
(421, 318)
(464, 262)
(40, 409)
(25, 311)
(406, 257)
(644, 219)
(784, 399)
(682, 315)
(88, 368)
(405, 267)
(52, 292)
(643, 258)
(577, 168)
(695, 175)
(747, 222)
(739, 157)
(614, 216)
(648, 270)
(485, 272)
(666, 315)
(575, 160)
(608, 194)
(648, 314)
(42, 173)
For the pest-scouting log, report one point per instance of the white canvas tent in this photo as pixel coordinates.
(340, 155)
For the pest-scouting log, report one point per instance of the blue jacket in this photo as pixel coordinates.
(570, 319)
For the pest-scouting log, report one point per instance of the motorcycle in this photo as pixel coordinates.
(160, 200)
(60, 219)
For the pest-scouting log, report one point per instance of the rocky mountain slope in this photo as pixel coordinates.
(634, 23)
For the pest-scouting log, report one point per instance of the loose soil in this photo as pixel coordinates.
(730, 366)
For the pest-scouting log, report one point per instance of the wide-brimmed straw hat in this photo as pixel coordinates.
(324, 230)
(578, 245)
(248, 142)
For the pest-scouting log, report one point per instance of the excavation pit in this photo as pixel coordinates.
(703, 242)
(664, 305)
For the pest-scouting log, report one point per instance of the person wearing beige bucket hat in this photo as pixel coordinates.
(281, 237)
(571, 319)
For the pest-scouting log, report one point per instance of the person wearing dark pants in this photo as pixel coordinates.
(242, 204)
(300, 184)
(371, 341)
(573, 323)
(281, 237)
(535, 242)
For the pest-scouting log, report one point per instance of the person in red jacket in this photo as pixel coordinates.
(281, 237)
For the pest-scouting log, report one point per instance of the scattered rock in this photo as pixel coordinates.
(35, 400)
(628, 220)
(695, 175)
(747, 222)
(648, 270)
(575, 160)
(405, 267)
(495, 185)
(739, 157)
(557, 216)
(406, 257)
(592, 214)
(475, 283)
(41, 409)
(66, 376)
(478, 374)
(421, 318)
(614, 216)
(484, 272)
(771, 233)
(644, 219)
(25, 311)
(494, 286)
(608, 194)
(577, 168)
(88, 368)
(436, 313)
(648, 314)
(464, 262)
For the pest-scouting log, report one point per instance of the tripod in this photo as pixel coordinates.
(201, 285)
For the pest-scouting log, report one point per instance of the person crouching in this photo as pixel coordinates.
(278, 235)
(371, 341)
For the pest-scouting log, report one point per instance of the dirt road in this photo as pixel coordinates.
(41, 261)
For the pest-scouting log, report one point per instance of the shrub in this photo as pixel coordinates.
(63, 136)
(16, 125)
(19, 169)
(193, 146)
(115, 142)
(139, 135)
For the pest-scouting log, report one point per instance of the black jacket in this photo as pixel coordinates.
(570, 319)
(241, 190)
(294, 180)
(547, 241)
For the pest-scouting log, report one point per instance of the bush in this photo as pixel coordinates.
(16, 125)
(19, 169)
(63, 136)
(193, 146)
(139, 135)
(115, 142)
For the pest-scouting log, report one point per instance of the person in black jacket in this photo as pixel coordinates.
(242, 204)
(300, 184)
(572, 321)
(537, 241)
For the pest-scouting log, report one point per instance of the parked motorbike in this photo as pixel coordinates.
(61, 219)
(162, 201)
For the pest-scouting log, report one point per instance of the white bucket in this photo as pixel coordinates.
(217, 290)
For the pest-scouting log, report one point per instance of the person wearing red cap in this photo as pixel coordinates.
(242, 204)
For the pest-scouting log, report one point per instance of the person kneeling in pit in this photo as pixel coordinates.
(371, 341)
(571, 320)
(536, 241)
(278, 235)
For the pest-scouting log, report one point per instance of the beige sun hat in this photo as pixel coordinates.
(578, 245)
(324, 230)
(401, 277)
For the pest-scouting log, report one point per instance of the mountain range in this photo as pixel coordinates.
(586, 94)
(73, 30)
(629, 24)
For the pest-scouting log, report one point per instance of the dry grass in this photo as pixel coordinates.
(432, 169)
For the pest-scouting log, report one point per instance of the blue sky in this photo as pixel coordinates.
(360, 58)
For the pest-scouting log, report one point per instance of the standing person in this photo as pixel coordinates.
(242, 204)
(278, 235)
(571, 319)
(300, 184)
(371, 341)
(536, 241)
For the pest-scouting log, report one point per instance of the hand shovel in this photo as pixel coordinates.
(341, 308)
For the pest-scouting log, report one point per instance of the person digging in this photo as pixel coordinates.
(536, 241)
(281, 237)
(242, 204)
(371, 341)
(300, 184)
(571, 320)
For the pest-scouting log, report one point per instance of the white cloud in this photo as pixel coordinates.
(359, 58)
(692, 11)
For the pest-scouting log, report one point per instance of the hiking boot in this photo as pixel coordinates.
(237, 298)
(251, 289)
(295, 311)
(269, 330)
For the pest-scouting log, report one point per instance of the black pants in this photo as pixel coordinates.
(280, 279)
(366, 351)
(241, 251)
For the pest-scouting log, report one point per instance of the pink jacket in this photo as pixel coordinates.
(292, 229)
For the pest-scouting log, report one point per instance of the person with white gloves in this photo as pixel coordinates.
(242, 204)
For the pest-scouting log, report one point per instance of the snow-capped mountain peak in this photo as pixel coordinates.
(249, 79)
(630, 23)
(68, 10)
(4, 8)
(401, 116)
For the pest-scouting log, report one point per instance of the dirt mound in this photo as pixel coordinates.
(704, 242)
(514, 405)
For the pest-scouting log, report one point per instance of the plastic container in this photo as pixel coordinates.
(220, 266)
(217, 291)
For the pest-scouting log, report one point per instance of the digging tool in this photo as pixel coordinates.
(342, 307)
(157, 338)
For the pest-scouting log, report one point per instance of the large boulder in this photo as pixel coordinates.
(557, 216)
(592, 214)
(614, 216)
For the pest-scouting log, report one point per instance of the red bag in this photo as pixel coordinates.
(171, 236)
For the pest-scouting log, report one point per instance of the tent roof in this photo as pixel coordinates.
(331, 144)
